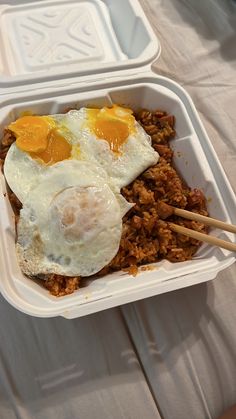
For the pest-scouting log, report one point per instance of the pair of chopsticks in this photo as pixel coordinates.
(201, 236)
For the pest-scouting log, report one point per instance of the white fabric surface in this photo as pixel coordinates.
(171, 356)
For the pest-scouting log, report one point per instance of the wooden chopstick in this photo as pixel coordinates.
(202, 237)
(205, 220)
(166, 210)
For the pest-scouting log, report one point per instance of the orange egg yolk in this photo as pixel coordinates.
(112, 124)
(38, 136)
(31, 133)
(115, 132)
(58, 149)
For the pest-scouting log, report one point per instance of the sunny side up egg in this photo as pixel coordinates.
(39, 144)
(67, 170)
(112, 138)
(71, 223)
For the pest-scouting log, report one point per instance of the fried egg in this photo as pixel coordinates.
(112, 138)
(71, 222)
(39, 144)
(67, 170)
(109, 137)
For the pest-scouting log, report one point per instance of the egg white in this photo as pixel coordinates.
(21, 171)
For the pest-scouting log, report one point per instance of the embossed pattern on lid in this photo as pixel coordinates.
(53, 39)
(46, 38)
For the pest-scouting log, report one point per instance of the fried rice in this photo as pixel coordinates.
(146, 236)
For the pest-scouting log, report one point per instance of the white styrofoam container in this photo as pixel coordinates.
(125, 43)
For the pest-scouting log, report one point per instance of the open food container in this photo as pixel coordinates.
(57, 54)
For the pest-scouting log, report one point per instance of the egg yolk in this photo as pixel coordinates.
(115, 132)
(38, 136)
(31, 133)
(112, 124)
(58, 149)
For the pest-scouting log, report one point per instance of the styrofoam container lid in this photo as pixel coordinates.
(50, 40)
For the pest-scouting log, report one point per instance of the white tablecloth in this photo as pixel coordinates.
(172, 356)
